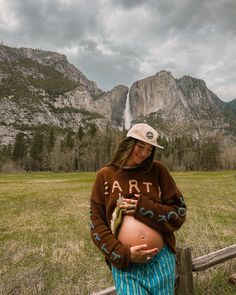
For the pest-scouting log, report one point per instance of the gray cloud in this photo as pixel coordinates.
(128, 3)
(119, 41)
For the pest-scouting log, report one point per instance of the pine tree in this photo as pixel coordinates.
(69, 141)
(51, 139)
(80, 133)
(37, 150)
(19, 150)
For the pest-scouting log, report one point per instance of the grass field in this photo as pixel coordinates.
(45, 245)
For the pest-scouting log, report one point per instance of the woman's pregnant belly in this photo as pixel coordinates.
(133, 232)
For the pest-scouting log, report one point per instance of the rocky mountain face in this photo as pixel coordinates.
(232, 105)
(41, 88)
(181, 104)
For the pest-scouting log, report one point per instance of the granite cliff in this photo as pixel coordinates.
(184, 103)
(41, 88)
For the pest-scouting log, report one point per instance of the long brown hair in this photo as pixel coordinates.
(123, 152)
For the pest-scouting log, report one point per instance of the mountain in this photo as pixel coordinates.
(41, 88)
(232, 105)
(181, 104)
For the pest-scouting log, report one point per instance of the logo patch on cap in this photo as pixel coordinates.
(149, 135)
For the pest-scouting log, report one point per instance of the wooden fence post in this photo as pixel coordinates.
(184, 272)
(185, 267)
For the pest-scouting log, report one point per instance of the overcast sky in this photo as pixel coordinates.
(120, 41)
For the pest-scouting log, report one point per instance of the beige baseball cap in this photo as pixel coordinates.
(144, 132)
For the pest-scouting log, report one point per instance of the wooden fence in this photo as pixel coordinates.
(186, 266)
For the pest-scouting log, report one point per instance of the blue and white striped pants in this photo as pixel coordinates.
(157, 277)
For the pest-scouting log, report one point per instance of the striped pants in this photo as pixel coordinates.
(157, 277)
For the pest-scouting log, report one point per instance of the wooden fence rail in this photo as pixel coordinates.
(186, 266)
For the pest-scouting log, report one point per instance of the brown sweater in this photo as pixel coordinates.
(160, 206)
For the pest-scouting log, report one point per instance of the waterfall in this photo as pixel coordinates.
(127, 113)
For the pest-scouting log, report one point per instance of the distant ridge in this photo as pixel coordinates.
(42, 88)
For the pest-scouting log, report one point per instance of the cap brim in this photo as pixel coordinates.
(159, 146)
(142, 139)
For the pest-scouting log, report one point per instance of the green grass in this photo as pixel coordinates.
(45, 245)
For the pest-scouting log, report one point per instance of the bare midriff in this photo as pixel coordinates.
(133, 233)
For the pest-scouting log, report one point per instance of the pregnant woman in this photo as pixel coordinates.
(135, 208)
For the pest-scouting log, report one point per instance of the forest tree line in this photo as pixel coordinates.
(89, 148)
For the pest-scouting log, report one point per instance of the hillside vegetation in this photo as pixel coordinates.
(27, 79)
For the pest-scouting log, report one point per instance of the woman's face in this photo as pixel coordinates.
(140, 153)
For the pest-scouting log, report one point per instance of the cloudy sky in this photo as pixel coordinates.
(120, 41)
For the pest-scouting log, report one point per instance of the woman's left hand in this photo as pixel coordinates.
(129, 205)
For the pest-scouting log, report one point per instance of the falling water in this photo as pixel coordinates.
(127, 113)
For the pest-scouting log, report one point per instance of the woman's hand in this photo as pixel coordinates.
(129, 205)
(138, 254)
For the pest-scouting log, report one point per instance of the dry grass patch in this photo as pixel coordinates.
(45, 245)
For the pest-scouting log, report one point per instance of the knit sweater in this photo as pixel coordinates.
(160, 206)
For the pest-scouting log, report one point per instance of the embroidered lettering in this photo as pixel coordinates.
(115, 257)
(96, 237)
(161, 218)
(147, 186)
(104, 248)
(172, 213)
(182, 204)
(106, 188)
(116, 185)
(182, 212)
(133, 184)
(91, 225)
(148, 213)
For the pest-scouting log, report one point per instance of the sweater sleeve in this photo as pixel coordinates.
(167, 215)
(114, 251)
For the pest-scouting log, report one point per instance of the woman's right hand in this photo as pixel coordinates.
(129, 205)
(138, 254)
